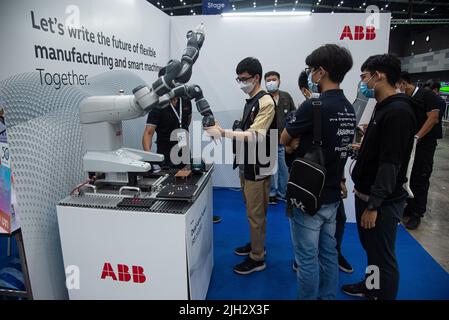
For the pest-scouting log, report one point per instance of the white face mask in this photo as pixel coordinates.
(272, 86)
(314, 95)
(247, 86)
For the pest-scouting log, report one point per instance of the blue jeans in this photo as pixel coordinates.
(315, 252)
(279, 179)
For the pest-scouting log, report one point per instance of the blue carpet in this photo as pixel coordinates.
(421, 276)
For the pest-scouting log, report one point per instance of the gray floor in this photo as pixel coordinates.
(433, 233)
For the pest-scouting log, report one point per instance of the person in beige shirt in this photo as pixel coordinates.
(258, 122)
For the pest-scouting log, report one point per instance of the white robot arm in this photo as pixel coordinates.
(190, 92)
(102, 116)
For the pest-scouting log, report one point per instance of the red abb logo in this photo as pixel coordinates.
(123, 273)
(359, 34)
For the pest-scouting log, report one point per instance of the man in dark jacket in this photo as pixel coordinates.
(284, 105)
(379, 175)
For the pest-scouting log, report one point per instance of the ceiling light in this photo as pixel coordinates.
(265, 13)
(413, 42)
(427, 39)
(171, 13)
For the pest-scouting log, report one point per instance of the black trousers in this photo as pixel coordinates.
(420, 178)
(380, 243)
(340, 227)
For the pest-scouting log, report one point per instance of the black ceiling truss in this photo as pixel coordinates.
(400, 9)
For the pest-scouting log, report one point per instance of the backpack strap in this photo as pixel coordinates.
(317, 122)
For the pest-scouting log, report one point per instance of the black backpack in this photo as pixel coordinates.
(308, 173)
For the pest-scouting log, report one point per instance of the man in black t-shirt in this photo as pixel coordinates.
(435, 87)
(314, 236)
(164, 122)
(427, 116)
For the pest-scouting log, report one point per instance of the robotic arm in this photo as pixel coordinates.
(144, 99)
(191, 92)
(102, 116)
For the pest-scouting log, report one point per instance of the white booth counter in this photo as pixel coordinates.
(149, 248)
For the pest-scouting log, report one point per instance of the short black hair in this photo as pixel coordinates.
(302, 80)
(250, 65)
(386, 63)
(272, 73)
(432, 84)
(405, 76)
(336, 60)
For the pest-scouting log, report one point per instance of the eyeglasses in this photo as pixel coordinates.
(240, 80)
(308, 70)
(362, 75)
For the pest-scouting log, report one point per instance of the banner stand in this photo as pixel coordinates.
(27, 294)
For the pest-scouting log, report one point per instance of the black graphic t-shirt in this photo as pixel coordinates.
(338, 122)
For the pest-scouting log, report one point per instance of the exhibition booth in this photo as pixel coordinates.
(98, 243)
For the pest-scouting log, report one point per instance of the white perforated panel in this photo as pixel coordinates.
(46, 150)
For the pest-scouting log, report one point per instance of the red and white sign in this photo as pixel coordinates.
(358, 33)
(123, 272)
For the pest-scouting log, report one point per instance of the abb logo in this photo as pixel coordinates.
(369, 33)
(124, 275)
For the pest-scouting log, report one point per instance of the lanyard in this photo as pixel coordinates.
(179, 116)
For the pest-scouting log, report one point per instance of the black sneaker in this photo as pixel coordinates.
(245, 250)
(216, 219)
(249, 266)
(413, 223)
(295, 266)
(344, 265)
(272, 200)
(358, 290)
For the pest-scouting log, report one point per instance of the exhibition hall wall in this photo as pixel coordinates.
(281, 44)
(41, 97)
(41, 93)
